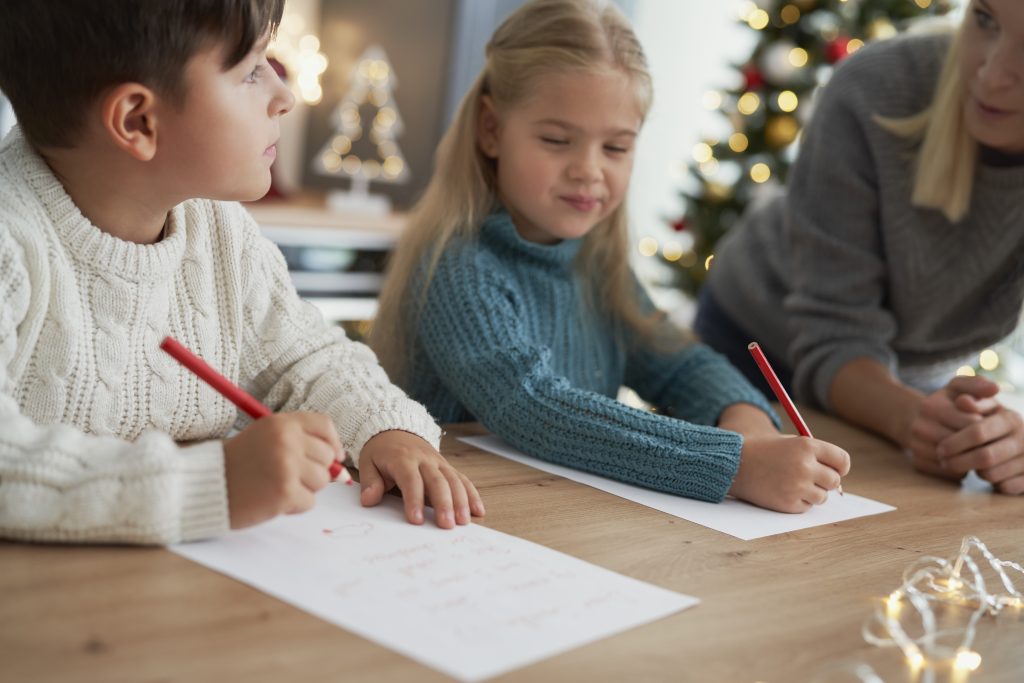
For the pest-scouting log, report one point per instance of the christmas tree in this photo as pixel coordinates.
(364, 146)
(799, 43)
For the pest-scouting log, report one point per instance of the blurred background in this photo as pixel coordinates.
(378, 81)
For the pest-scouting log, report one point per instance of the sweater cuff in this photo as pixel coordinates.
(416, 421)
(716, 460)
(204, 495)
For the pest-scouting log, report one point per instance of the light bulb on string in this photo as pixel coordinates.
(931, 583)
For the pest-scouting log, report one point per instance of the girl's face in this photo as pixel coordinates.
(565, 155)
(992, 67)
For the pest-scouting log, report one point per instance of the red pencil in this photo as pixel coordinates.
(245, 402)
(780, 392)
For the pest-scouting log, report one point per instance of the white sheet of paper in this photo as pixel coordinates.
(733, 517)
(470, 602)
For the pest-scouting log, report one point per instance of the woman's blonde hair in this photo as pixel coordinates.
(541, 38)
(947, 154)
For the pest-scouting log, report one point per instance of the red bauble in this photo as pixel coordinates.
(679, 225)
(752, 78)
(838, 49)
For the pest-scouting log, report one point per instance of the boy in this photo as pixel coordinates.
(137, 119)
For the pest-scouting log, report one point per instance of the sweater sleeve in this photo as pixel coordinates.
(296, 361)
(692, 382)
(470, 331)
(836, 310)
(60, 484)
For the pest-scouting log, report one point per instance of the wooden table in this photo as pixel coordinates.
(780, 609)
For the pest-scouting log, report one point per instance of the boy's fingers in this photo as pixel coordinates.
(322, 427)
(320, 452)
(411, 485)
(476, 502)
(313, 475)
(440, 494)
(300, 500)
(460, 498)
(371, 482)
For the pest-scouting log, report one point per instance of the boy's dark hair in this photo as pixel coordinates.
(58, 56)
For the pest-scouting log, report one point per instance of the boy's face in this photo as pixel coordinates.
(220, 143)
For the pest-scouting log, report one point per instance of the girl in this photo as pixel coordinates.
(896, 251)
(510, 299)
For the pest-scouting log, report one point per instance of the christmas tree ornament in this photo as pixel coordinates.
(776, 64)
(364, 147)
(781, 131)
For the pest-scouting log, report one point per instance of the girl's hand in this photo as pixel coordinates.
(962, 403)
(397, 457)
(993, 446)
(788, 473)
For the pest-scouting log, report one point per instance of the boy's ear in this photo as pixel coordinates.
(487, 125)
(129, 118)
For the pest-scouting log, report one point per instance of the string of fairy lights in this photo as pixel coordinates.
(910, 617)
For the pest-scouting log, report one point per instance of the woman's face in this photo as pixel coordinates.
(992, 67)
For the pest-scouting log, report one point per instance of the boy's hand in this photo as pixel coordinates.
(788, 473)
(397, 457)
(276, 465)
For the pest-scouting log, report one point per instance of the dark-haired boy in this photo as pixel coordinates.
(139, 121)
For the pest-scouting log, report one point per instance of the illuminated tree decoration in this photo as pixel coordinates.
(367, 125)
(799, 44)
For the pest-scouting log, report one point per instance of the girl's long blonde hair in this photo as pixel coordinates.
(947, 154)
(542, 37)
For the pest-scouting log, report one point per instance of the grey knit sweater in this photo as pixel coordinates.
(504, 339)
(842, 266)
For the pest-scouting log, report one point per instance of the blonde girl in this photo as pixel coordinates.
(510, 299)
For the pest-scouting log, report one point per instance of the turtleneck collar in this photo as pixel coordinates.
(996, 158)
(499, 230)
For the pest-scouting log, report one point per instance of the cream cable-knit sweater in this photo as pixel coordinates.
(92, 412)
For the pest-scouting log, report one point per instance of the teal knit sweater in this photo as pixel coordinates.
(505, 339)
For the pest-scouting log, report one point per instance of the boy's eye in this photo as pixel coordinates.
(254, 75)
(554, 141)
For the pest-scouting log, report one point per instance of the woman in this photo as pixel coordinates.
(896, 251)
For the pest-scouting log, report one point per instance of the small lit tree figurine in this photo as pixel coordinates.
(364, 147)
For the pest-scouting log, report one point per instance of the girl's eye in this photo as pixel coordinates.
(615, 149)
(554, 141)
(254, 75)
